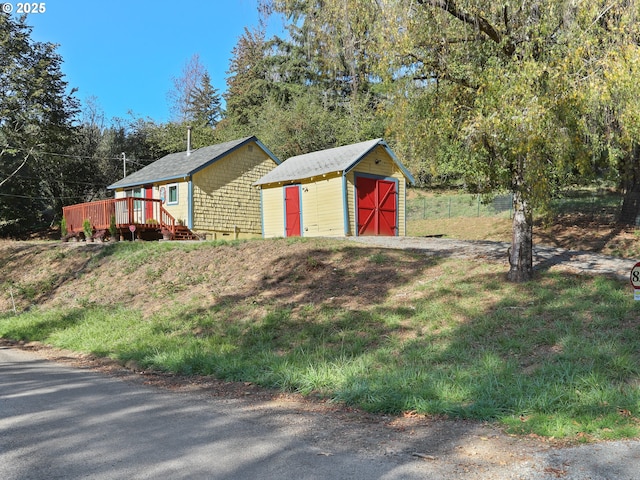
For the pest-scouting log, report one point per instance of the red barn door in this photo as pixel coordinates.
(377, 206)
(292, 211)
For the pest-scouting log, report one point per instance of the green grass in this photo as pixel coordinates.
(600, 202)
(558, 357)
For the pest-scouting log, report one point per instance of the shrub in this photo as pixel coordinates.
(86, 227)
(112, 226)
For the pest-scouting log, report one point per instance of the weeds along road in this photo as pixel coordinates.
(60, 422)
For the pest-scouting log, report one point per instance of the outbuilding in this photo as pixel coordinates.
(357, 189)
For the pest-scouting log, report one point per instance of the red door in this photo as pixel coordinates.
(292, 211)
(148, 214)
(377, 206)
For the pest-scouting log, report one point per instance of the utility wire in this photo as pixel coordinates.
(39, 198)
(86, 157)
(15, 171)
(65, 181)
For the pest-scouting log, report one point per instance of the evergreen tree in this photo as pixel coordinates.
(183, 86)
(246, 83)
(204, 103)
(36, 117)
(287, 92)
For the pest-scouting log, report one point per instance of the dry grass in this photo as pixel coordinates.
(480, 228)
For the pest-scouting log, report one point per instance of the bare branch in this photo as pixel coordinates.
(184, 85)
(17, 169)
(449, 78)
(475, 21)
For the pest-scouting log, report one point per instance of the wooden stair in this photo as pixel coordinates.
(183, 233)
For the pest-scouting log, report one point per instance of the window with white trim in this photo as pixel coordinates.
(172, 194)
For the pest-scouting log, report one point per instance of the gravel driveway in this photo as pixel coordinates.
(545, 257)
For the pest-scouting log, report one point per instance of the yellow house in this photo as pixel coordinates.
(209, 190)
(357, 189)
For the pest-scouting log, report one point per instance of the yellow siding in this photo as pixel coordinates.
(273, 212)
(321, 204)
(179, 211)
(322, 207)
(224, 200)
(386, 167)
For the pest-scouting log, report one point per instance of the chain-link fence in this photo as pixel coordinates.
(598, 206)
(462, 205)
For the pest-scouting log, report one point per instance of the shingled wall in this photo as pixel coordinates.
(225, 204)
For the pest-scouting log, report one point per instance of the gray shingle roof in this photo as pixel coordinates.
(339, 159)
(180, 165)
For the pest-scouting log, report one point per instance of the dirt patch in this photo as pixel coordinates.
(584, 233)
(289, 274)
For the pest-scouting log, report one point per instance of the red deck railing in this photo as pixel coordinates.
(143, 212)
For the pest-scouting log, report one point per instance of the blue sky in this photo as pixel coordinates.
(126, 52)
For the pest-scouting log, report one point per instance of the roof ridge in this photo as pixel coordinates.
(181, 164)
(349, 145)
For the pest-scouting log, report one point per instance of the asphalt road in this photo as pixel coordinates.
(58, 422)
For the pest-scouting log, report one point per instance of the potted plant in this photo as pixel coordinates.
(88, 230)
(113, 231)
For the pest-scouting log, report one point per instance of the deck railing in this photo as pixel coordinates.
(142, 212)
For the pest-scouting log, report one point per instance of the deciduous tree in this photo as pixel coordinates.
(513, 77)
(193, 97)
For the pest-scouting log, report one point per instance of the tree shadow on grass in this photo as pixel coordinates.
(562, 351)
(47, 323)
(36, 271)
(334, 320)
(559, 359)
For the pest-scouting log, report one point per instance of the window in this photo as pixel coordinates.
(172, 197)
(134, 192)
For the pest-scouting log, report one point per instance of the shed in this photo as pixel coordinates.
(209, 189)
(357, 189)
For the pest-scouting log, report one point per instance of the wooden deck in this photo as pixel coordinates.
(146, 214)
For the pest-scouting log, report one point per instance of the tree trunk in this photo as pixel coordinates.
(630, 212)
(521, 251)
(630, 170)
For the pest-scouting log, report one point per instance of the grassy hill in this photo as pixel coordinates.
(384, 330)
